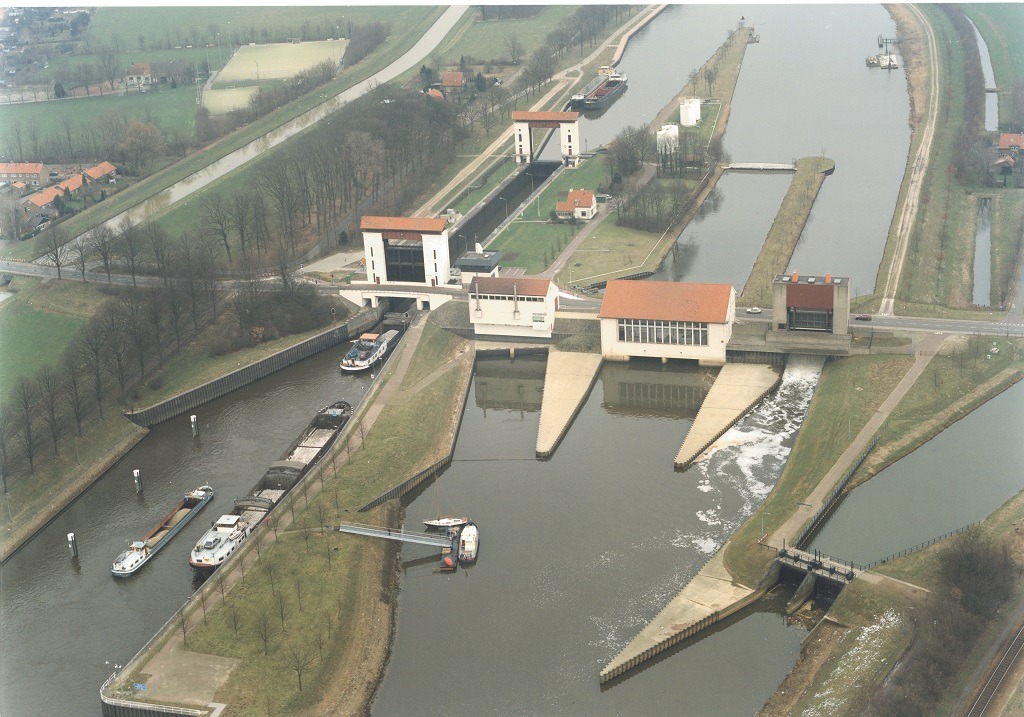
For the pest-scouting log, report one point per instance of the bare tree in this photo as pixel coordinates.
(158, 244)
(92, 348)
(24, 395)
(55, 247)
(264, 629)
(110, 65)
(50, 398)
(234, 618)
(216, 218)
(80, 255)
(185, 623)
(319, 639)
(298, 593)
(514, 48)
(102, 240)
(240, 216)
(130, 247)
(6, 434)
(282, 609)
(298, 658)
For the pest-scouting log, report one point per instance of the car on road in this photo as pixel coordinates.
(862, 317)
(754, 310)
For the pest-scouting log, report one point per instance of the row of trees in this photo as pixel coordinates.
(977, 576)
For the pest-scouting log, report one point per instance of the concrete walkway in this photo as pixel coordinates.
(735, 391)
(568, 378)
(925, 350)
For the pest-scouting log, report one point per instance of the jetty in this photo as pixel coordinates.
(439, 540)
(735, 391)
(568, 378)
(761, 166)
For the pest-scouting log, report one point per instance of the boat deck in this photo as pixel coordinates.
(311, 445)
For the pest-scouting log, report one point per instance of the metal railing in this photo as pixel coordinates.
(920, 546)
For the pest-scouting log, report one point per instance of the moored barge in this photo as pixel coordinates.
(140, 551)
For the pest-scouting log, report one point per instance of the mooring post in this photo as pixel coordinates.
(195, 426)
(73, 545)
(138, 480)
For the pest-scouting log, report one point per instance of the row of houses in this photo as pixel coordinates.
(39, 207)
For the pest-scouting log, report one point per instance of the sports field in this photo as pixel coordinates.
(220, 102)
(278, 60)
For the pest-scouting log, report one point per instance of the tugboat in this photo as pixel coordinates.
(140, 551)
(366, 350)
(221, 540)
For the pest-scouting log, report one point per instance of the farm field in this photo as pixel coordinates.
(278, 60)
(221, 102)
(484, 41)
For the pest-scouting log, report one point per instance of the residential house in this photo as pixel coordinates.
(139, 74)
(436, 94)
(32, 173)
(102, 172)
(453, 81)
(1010, 143)
(173, 71)
(580, 204)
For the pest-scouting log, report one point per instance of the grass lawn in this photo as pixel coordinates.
(278, 60)
(853, 387)
(485, 41)
(171, 110)
(610, 251)
(38, 321)
(434, 349)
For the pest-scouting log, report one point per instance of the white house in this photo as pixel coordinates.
(580, 203)
(407, 250)
(512, 306)
(667, 320)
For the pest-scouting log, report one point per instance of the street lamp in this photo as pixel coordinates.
(465, 243)
(506, 207)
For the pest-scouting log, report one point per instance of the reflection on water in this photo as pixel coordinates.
(644, 387)
(510, 386)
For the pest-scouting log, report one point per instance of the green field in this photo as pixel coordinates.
(171, 110)
(221, 102)
(485, 41)
(38, 321)
(1002, 27)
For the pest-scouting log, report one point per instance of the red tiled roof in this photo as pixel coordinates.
(576, 198)
(72, 183)
(1008, 140)
(43, 196)
(100, 170)
(139, 68)
(506, 286)
(452, 79)
(425, 225)
(545, 116)
(21, 167)
(666, 301)
(436, 94)
(19, 184)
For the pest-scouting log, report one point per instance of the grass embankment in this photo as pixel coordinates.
(955, 382)
(611, 251)
(786, 229)
(404, 36)
(853, 387)
(938, 274)
(334, 575)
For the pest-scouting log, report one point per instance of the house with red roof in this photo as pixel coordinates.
(579, 204)
(512, 306)
(453, 81)
(1010, 143)
(102, 172)
(139, 74)
(667, 320)
(31, 173)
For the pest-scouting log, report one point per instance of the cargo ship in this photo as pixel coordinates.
(600, 93)
(140, 551)
(367, 350)
(229, 531)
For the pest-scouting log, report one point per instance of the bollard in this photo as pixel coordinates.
(195, 426)
(138, 480)
(73, 545)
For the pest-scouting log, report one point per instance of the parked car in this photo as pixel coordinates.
(754, 310)
(863, 317)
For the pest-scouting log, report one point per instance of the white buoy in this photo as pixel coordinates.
(73, 545)
(195, 426)
(138, 480)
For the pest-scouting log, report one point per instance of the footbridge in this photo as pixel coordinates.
(439, 540)
(761, 166)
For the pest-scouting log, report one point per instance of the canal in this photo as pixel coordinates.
(578, 552)
(66, 622)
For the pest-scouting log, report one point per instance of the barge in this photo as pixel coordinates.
(600, 93)
(367, 350)
(140, 551)
(229, 531)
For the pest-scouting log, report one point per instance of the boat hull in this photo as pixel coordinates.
(123, 569)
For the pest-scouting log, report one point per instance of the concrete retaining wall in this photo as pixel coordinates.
(193, 398)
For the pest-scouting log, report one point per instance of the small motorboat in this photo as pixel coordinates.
(469, 543)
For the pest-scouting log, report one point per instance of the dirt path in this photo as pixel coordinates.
(918, 170)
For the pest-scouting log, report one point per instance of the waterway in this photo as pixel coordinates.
(65, 622)
(983, 253)
(991, 98)
(957, 478)
(578, 552)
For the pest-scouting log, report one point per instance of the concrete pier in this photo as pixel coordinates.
(736, 390)
(710, 596)
(567, 382)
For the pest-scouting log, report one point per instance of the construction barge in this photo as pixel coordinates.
(229, 531)
(600, 93)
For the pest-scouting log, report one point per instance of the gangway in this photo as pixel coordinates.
(406, 536)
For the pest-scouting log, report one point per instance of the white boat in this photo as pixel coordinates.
(368, 349)
(440, 521)
(140, 551)
(219, 542)
(469, 543)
